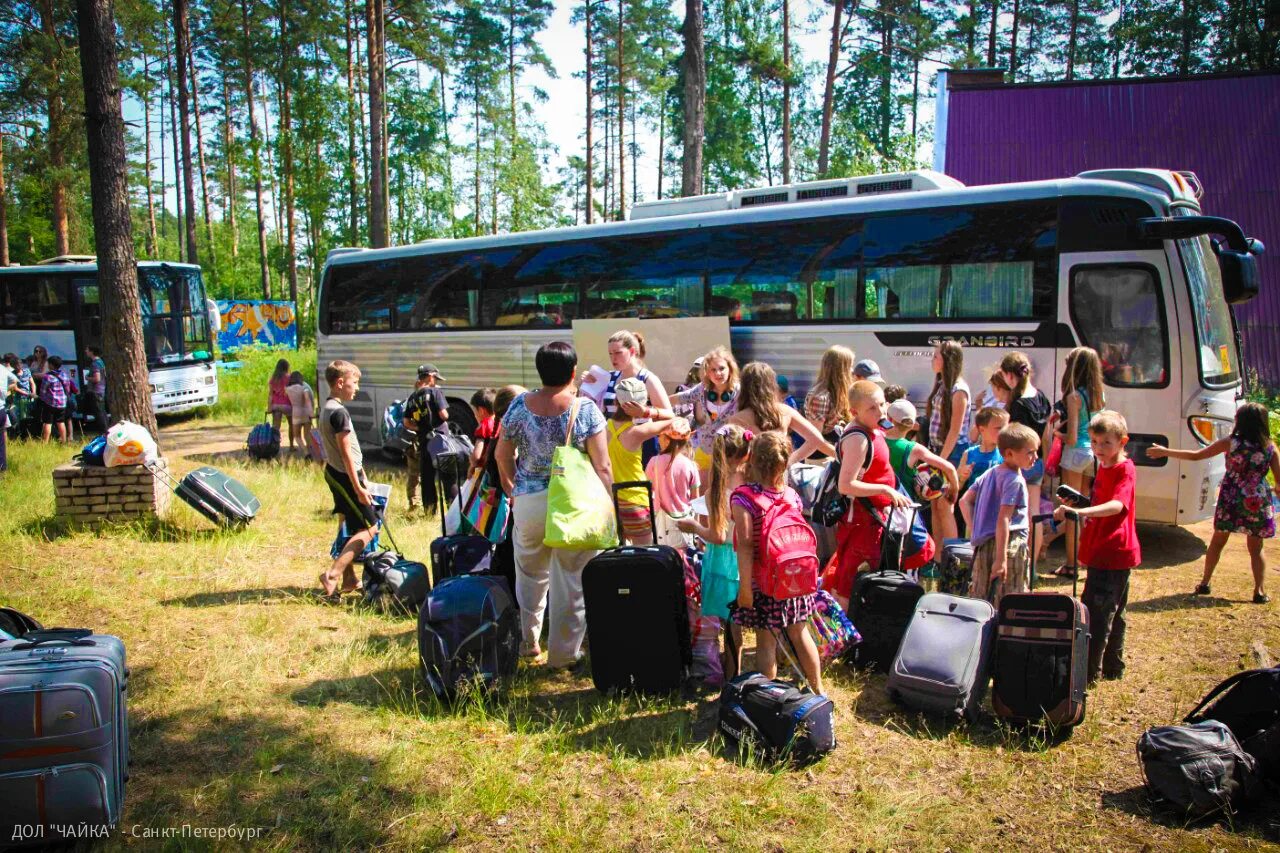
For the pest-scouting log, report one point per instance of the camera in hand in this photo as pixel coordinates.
(1070, 497)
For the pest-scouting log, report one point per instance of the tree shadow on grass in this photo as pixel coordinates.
(575, 715)
(204, 767)
(1262, 820)
(50, 528)
(1178, 601)
(245, 596)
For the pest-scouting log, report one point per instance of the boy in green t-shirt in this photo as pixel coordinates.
(906, 455)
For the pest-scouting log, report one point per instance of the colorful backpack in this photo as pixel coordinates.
(787, 562)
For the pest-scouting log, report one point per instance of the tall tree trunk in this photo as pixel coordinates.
(622, 114)
(1013, 42)
(972, 35)
(590, 202)
(4, 212)
(662, 132)
(268, 146)
(475, 99)
(377, 142)
(362, 99)
(1184, 55)
(164, 180)
(786, 91)
(829, 89)
(1117, 40)
(634, 148)
(764, 131)
(991, 33)
(152, 241)
(57, 131)
(229, 215)
(286, 155)
(256, 147)
(915, 85)
(1071, 39)
(113, 229)
(448, 147)
(886, 76)
(204, 175)
(511, 68)
(695, 98)
(353, 174)
(181, 40)
(179, 175)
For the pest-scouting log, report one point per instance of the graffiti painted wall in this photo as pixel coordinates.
(247, 321)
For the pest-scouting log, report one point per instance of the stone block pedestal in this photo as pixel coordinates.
(89, 494)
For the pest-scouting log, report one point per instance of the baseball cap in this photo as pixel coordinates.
(631, 390)
(868, 369)
(902, 413)
(428, 369)
(784, 384)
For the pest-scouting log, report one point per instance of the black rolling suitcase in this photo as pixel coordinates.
(218, 497)
(881, 606)
(455, 554)
(637, 620)
(1040, 667)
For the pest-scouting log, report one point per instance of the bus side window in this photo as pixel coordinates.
(1118, 310)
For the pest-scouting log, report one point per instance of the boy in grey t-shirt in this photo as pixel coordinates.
(344, 472)
(996, 511)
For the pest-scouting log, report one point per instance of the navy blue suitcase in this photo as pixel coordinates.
(468, 633)
(64, 734)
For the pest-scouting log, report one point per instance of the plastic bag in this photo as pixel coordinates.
(128, 444)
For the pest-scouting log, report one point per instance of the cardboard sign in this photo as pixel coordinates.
(671, 345)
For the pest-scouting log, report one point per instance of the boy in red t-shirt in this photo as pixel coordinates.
(1108, 543)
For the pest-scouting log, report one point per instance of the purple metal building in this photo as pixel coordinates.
(1223, 127)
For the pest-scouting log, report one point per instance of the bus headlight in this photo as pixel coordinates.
(1207, 430)
(208, 380)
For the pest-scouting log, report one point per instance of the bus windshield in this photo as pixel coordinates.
(1218, 360)
(175, 323)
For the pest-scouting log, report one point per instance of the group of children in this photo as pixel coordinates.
(725, 454)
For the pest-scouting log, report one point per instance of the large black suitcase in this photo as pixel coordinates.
(1041, 663)
(881, 606)
(637, 620)
(218, 497)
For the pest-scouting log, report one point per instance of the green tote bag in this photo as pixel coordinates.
(579, 509)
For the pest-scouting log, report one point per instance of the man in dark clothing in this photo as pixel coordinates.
(426, 411)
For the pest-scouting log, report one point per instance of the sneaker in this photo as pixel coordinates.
(1201, 589)
(1261, 598)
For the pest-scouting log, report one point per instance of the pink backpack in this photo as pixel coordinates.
(787, 554)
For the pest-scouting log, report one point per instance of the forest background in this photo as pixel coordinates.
(262, 135)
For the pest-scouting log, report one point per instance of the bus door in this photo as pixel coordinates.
(1121, 304)
(88, 316)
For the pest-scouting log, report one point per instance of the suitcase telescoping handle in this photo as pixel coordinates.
(617, 511)
(1071, 518)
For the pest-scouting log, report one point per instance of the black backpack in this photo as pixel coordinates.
(1198, 769)
(1248, 703)
(15, 623)
(775, 720)
(468, 635)
(393, 584)
(831, 506)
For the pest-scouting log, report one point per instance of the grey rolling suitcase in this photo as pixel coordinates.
(943, 663)
(64, 735)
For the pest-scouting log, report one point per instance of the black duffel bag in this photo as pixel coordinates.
(775, 720)
(1199, 769)
(1248, 703)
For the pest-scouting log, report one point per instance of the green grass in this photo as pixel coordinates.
(254, 704)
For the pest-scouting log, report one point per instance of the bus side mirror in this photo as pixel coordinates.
(215, 316)
(1236, 258)
(1239, 272)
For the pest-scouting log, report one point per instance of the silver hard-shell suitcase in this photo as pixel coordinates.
(64, 735)
(943, 663)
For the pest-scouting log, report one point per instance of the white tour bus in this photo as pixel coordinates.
(55, 304)
(1119, 260)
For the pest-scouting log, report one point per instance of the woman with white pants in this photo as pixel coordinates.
(534, 426)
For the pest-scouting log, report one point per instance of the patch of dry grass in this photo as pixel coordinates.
(253, 704)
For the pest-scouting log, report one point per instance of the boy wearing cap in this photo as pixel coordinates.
(627, 434)
(906, 455)
(869, 370)
(425, 411)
